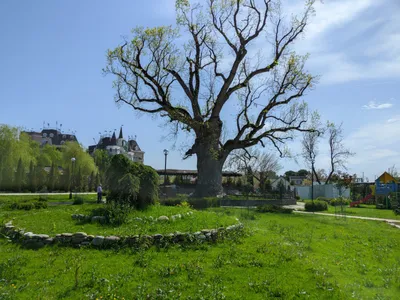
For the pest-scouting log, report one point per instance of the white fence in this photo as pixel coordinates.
(326, 190)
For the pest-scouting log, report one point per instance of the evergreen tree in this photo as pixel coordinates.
(97, 180)
(19, 176)
(91, 182)
(52, 179)
(32, 185)
(78, 183)
(65, 180)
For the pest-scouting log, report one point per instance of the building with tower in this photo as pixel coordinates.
(51, 136)
(114, 145)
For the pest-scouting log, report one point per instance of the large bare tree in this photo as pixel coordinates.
(234, 53)
(262, 164)
(310, 141)
(338, 153)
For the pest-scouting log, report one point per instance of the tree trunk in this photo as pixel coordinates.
(209, 168)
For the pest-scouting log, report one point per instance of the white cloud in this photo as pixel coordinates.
(373, 105)
(394, 119)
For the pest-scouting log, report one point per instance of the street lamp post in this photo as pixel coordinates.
(312, 181)
(72, 179)
(165, 172)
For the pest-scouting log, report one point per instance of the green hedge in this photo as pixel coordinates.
(270, 208)
(316, 206)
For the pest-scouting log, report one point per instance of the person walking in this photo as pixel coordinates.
(99, 193)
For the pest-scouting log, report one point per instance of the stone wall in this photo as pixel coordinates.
(30, 240)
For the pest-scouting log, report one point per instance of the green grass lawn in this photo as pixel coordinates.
(6, 199)
(57, 219)
(366, 210)
(282, 256)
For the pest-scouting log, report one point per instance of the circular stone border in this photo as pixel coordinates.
(31, 240)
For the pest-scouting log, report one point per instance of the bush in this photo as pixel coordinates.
(328, 200)
(271, 208)
(40, 204)
(28, 205)
(340, 201)
(298, 198)
(131, 183)
(115, 213)
(78, 201)
(316, 206)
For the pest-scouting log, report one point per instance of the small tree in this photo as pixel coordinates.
(19, 176)
(32, 183)
(338, 153)
(91, 182)
(53, 178)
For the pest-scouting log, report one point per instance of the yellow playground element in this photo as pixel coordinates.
(387, 178)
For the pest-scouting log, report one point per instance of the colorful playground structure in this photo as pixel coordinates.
(385, 186)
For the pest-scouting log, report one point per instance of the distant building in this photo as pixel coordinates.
(281, 181)
(297, 180)
(51, 136)
(114, 145)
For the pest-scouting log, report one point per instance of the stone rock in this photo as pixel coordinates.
(158, 236)
(48, 241)
(28, 235)
(85, 243)
(139, 219)
(66, 235)
(79, 234)
(100, 219)
(163, 218)
(201, 237)
(34, 245)
(98, 240)
(205, 231)
(42, 236)
(111, 239)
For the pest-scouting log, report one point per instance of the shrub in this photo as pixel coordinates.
(298, 198)
(328, 200)
(40, 204)
(340, 201)
(28, 205)
(131, 183)
(271, 208)
(115, 213)
(78, 201)
(316, 206)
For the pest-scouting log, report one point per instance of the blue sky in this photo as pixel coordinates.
(52, 54)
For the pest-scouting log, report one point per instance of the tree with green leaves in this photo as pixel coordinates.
(32, 184)
(91, 182)
(19, 176)
(218, 66)
(102, 161)
(53, 178)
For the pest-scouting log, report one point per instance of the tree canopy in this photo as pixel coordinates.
(234, 53)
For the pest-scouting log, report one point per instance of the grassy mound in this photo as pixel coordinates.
(54, 220)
